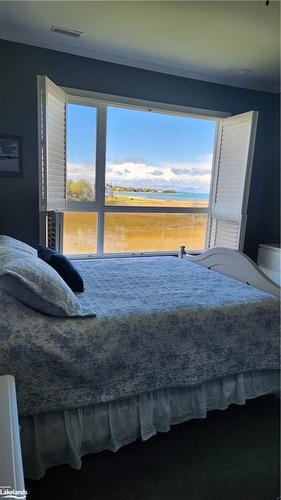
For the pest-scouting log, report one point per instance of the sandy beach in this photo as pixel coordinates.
(151, 202)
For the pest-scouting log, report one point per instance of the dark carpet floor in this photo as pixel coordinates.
(231, 455)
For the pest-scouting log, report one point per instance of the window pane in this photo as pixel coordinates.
(127, 232)
(157, 159)
(81, 152)
(80, 232)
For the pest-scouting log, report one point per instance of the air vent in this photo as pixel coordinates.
(243, 71)
(67, 31)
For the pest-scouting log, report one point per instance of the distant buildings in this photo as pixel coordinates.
(108, 190)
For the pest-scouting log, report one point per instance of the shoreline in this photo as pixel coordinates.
(154, 202)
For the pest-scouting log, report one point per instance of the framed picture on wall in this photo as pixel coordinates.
(10, 156)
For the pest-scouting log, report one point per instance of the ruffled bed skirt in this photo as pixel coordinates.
(64, 437)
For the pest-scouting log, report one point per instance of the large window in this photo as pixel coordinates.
(156, 163)
(121, 176)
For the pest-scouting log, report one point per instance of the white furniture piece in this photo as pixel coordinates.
(269, 259)
(11, 469)
(235, 264)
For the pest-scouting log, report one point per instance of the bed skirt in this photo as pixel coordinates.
(63, 437)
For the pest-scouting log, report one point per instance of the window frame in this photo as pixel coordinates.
(100, 102)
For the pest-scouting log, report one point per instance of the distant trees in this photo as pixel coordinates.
(132, 189)
(80, 190)
(83, 190)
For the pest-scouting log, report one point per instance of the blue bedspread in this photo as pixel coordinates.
(161, 322)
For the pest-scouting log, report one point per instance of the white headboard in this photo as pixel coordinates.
(237, 265)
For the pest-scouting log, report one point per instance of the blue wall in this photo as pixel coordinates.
(18, 115)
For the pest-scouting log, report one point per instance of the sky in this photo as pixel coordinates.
(144, 149)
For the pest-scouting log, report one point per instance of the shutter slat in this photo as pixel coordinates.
(225, 233)
(56, 154)
(56, 113)
(56, 182)
(56, 137)
(56, 176)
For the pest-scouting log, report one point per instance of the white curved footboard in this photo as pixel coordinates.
(237, 265)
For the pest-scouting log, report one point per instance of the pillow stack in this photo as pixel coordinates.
(34, 282)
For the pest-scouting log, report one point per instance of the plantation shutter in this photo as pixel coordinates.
(52, 150)
(229, 198)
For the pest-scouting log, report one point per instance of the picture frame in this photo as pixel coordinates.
(10, 156)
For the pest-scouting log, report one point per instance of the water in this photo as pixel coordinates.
(180, 196)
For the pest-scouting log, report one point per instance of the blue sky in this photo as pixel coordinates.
(143, 148)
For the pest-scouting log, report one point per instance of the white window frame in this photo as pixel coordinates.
(100, 101)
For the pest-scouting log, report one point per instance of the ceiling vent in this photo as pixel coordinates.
(243, 71)
(67, 31)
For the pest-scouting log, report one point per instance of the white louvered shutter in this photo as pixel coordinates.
(229, 198)
(52, 110)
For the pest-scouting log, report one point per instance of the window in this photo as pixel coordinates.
(158, 159)
(129, 179)
(81, 131)
(152, 160)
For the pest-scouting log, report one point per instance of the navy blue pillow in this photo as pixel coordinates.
(63, 266)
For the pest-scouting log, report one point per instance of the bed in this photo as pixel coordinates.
(171, 341)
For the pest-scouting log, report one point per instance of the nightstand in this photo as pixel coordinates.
(11, 469)
(269, 258)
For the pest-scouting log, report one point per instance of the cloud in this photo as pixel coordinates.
(178, 175)
(192, 176)
(129, 159)
(190, 171)
(76, 171)
(157, 172)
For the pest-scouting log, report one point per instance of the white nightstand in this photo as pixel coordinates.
(11, 470)
(269, 258)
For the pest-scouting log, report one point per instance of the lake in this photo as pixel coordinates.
(180, 196)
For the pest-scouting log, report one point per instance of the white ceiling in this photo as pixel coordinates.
(231, 42)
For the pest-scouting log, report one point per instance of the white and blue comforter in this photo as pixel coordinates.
(161, 322)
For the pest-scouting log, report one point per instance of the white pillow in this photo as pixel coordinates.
(36, 284)
(13, 244)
